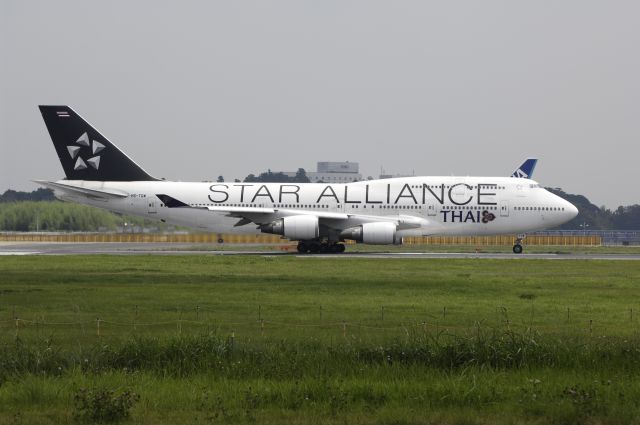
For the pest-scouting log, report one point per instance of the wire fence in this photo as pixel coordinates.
(582, 322)
(546, 239)
(608, 237)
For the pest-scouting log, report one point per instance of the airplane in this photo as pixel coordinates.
(320, 217)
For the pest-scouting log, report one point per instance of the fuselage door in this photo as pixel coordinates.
(151, 203)
(431, 209)
(504, 208)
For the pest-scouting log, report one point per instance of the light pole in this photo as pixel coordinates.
(584, 226)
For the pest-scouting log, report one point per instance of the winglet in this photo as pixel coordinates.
(525, 171)
(172, 202)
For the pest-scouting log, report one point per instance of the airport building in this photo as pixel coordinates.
(332, 172)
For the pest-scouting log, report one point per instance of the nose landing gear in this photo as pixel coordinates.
(517, 247)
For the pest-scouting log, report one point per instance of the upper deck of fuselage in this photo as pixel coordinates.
(449, 180)
(398, 189)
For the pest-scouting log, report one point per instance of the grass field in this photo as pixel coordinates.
(253, 339)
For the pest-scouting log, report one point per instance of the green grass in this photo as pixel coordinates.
(256, 339)
(427, 396)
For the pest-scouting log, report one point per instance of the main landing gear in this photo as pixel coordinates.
(316, 247)
(517, 247)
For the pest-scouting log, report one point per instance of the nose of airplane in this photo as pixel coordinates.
(570, 210)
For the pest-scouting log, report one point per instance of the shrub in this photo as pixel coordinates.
(103, 405)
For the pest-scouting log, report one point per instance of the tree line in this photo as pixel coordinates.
(40, 211)
(39, 194)
(592, 217)
(271, 177)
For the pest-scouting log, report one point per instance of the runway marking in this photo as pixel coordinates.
(6, 253)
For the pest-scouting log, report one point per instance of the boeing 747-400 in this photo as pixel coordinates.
(319, 216)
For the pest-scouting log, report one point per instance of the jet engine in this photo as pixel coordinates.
(382, 233)
(297, 227)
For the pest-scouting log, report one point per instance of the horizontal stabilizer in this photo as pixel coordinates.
(91, 193)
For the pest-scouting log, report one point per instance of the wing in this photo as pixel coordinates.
(332, 220)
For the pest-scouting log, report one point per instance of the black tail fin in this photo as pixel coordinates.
(86, 154)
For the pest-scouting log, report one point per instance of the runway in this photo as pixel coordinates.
(46, 248)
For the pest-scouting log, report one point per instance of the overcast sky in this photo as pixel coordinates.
(192, 90)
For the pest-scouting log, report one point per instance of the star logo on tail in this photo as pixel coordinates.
(75, 150)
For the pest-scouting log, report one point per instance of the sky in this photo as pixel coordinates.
(196, 89)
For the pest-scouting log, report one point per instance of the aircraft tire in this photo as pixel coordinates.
(517, 249)
(314, 247)
(340, 247)
(303, 248)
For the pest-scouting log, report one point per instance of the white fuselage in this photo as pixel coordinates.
(439, 205)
